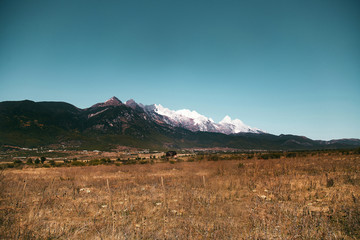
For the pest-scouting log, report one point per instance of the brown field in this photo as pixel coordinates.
(314, 197)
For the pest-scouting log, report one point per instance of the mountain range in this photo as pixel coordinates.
(190, 120)
(113, 123)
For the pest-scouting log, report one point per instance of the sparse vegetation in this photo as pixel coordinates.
(52, 163)
(311, 197)
(29, 161)
(77, 163)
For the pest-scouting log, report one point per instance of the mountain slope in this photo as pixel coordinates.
(112, 123)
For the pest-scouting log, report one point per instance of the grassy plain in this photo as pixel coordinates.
(312, 197)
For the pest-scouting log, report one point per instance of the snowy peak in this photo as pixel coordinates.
(229, 126)
(181, 115)
(194, 121)
(184, 118)
(227, 119)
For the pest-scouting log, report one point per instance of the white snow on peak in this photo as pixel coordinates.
(234, 126)
(194, 121)
(227, 119)
(185, 117)
(236, 122)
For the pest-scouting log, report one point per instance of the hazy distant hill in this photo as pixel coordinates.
(105, 125)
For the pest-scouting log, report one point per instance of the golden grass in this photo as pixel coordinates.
(299, 198)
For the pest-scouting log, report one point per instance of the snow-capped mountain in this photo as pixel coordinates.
(229, 126)
(183, 118)
(194, 121)
(112, 123)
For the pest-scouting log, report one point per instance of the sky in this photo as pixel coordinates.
(286, 67)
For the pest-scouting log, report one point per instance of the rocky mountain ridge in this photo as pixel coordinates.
(193, 121)
(113, 123)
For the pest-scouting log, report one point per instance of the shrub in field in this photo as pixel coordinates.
(290, 155)
(18, 162)
(329, 182)
(131, 161)
(213, 158)
(105, 160)
(357, 151)
(29, 161)
(94, 162)
(250, 156)
(77, 163)
(270, 156)
(59, 165)
(10, 165)
(241, 165)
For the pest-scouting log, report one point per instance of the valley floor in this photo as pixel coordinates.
(299, 198)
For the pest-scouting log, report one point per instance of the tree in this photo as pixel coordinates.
(18, 161)
(37, 161)
(43, 159)
(29, 161)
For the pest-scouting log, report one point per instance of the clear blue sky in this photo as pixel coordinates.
(281, 66)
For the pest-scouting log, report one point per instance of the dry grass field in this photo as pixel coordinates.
(315, 197)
